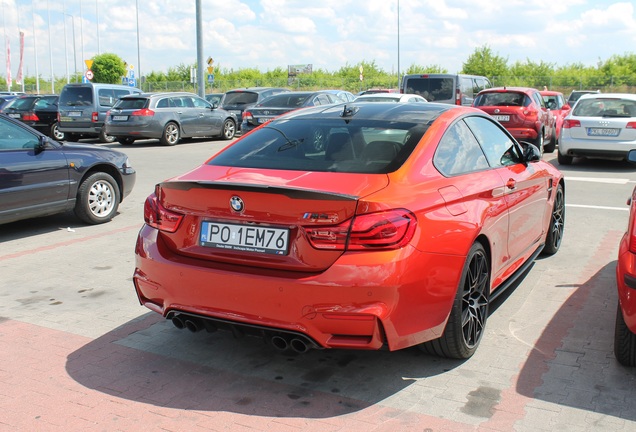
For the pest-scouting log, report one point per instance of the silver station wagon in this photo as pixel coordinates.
(168, 117)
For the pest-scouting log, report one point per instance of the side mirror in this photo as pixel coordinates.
(531, 152)
(215, 105)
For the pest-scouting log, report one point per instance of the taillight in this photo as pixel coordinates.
(458, 97)
(58, 116)
(247, 115)
(631, 125)
(145, 112)
(157, 216)
(386, 230)
(632, 223)
(95, 117)
(30, 116)
(569, 123)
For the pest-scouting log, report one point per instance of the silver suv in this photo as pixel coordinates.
(168, 117)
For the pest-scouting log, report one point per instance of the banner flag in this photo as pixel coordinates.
(8, 63)
(18, 78)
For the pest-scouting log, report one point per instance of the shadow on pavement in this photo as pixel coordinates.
(572, 363)
(148, 360)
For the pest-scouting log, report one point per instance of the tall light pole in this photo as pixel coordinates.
(398, 41)
(97, 19)
(74, 50)
(82, 31)
(200, 80)
(138, 49)
(50, 49)
(35, 51)
(68, 79)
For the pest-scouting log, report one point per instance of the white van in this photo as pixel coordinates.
(82, 109)
(454, 89)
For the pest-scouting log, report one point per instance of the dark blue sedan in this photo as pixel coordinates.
(40, 176)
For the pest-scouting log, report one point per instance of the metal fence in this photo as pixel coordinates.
(611, 84)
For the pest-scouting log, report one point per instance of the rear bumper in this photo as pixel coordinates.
(398, 298)
(523, 134)
(594, 147)
(626, 282)
(138, 131)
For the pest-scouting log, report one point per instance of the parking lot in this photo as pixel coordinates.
(79, 352)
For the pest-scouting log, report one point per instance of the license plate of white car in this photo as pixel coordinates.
(501, 117)
(603, 132)
(120, 118)
(245, 238)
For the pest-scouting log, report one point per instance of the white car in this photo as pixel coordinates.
(599, 126)
(390, 97)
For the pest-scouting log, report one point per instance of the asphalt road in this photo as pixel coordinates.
(77, 349)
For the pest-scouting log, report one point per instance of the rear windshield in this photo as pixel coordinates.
(21, 103)
(432, 89)
(285, 100)
(76, 96)
(325, 145)
(605, 107)
(240, 98)
(502, 99)
(131, 103)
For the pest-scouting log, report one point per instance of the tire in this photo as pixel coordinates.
(105, 138)
(539, 141)
(624, 341)
(98, 198)
(551, 145)
(564, 159)
(229, 130)
(55, 132)
(557, 223)
(170, 134)
(468, 315)
(125, 140)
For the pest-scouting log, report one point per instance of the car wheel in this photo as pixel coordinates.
(55, 132)
(105, 138)
(551, 145)
(564, 159)
(170, 134)
(624, 341)
(229, 130)
(467, 319)
(557, 223)
(97, 199)
(539, 141)
(125, 140)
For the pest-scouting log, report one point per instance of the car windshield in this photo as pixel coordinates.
(605, 107)
(285, 100)
(379, 99)
(240, 98)
(502, 99)
(432, 89)
(21, 103)
(325, 145)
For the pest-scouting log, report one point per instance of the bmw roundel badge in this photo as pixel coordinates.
(237, 204)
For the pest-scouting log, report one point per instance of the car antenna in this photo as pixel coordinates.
(348, 112)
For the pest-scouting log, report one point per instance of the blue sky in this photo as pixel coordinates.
(329, 34)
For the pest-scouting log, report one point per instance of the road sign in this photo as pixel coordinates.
(89, 64)
(89, 75)
(210, 78)
(132, 82)
(210, 61)
(124, 80)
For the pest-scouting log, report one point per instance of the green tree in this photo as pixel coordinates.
(484, 62)
(417, 69)
(108, 68)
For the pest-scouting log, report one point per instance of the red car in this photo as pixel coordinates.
(556, 103)
(625, 331)
(522, 111)
(398, 232)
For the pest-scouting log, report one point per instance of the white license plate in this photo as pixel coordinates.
(120, 118)
(603, 132)
(245, 238)
(14, 116)
(74, 114)
(501, 117)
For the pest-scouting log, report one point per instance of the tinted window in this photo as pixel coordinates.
(285, 100)
(500, 150)
(240, 98)
(605, 107)
(106, 97)
(501, 99)
(132, 103)
(356, 147)
(432, 89)
(459, 152)
(22, 103)
(200, 103)
(76, 96)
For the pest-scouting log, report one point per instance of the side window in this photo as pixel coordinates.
(498, 147)
(200, 103)
(13, 137)
(538, 100)
(322, 100)
(119, 93)
(459, 152)
(106, 97)
(163, 103)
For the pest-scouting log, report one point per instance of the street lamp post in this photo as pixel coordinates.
(74, 50)
(398, 43)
